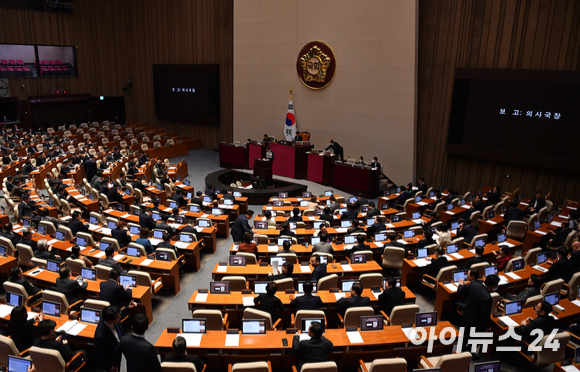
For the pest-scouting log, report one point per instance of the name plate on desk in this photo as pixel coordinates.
(173, 330)
(263, 264)
(351, 329)
(334, 290)
(290, 291)
(233, 332)
(291, 331)
(246, 291)
(202, 291)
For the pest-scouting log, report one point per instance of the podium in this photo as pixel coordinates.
(263, 169)
(320, 168)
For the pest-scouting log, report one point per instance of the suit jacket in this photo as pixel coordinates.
(513, 214)
(477, 310)
(105, 341)
(356, 301)
(191, 230)
(335, 146)
(311, 351)
(423, 187)
(544, 322)
(334, 207)
(327, 217)
(22, 333)
(360, 247)
(560, 237)
(65, 350)
(70, 288)
(15, 239)
(318, 273)
(146, 221)
(575, 257)
(139, 353)
(349, 215)
(390, 298)
(436, 266)
(240, 226)
(307, 302)
(24, 210)
(76, 225)
(354, 229)
(269, 304)
(467, 233)
(166, 227)
(186, 359)
(376, 228)
(65, 170)
(114, 196)
(562, 269)
(90, 168)
(537, 203)
(375, 164)
(323, 247)
(114, 293)
(31, 243)
(474, 260)
(31, 289)
(44, 254)
(373, 212)
(110, 262)
(121, 236)
(168, 246)
(525, 294)
(403, 197)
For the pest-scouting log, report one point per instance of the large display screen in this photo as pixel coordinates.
(187, 93)
(518, 116)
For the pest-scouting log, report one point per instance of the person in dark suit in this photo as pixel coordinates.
(69, 287)
(227, 194)
(307, 301)
(373, 211)
(295, 215)
(139, 353)
(268, 301)
(361, 246)
(466, 230)
(45, 253)
(423, 186)
(166, 244)
(478, 258)
(266, 139)
(120, 235)
(537, 202)
(375, 163)
(357, 227)
(108, 334)
(113, 292)
(90, 168)
(180, 355)
(576, 255)
(543, 322)
(211, 192)
(108, 259)
(324, 244)
(143, 159)
(22, 330)
(28, 167)
(338, 150)
(287, 270)
(164, 226)
(437, 263)
(269, 154)
(10, 235)
(285, 247)
(48, 340)
(334, 205)
(198, 198)
(191, 230)
(494, 196)
(316, 349)
(351, 213)
(561, 236)
(319, 270)
(392, 236)
(477, 311)
(376, 227)
(477, 205)
(297, 137)
(563, 268)
(514, 213)
(17, 277)
(392, 296)
(25, 208)
(355, 299)
(156, 204)
(145, 219)
(75, 224)
(533, 289)
(114, 196)
(404, 195)
(327, 216)
(30, 149)
(27, 239)
(67, 168)
(241, 226)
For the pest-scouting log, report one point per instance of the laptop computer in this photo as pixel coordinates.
(397, 280)
(237, 260)
(14, 299)
(194, 208)
(156, 216)
(260, 287)
(278, 203)
(541, 258)
(501, 237)
(185, 238)
(90, 315)
(492, 366)
(346, 224)
(281, 241)
(347, 284)
(219, 287)
(518, 265)
(304, 203)
(172, 205)
(480, 242)
(89, 274)
(17, 364)
(228, 202)
(552, 298)
(421, 252)
(395, 218)
(350, 239)
(358, 258)
(163, 256)
(277, 261)
(307, 322)
(317, 224)
(307, 195)
(51, 308)
(128, 280)
(193, 325)
(490, 270)
(3, 251)
(60, 236)
(133, 252)
(407, 234)
(301, 287)
(459, 275)
(293, 225)
(283, 195)
(237, 194)
(371, 323)
(204, 223)
(217, 211)
(111, 225)
(158, 234)
(314, 240)
(381, 237)
(41, 230)
(253, 327)
(513, 307)
(81, 241)
(451, 248)
(426, 319)
(121, 207)
(328, 193)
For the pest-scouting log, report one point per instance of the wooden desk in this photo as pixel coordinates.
(263, 169)
(320, 168)
(167, 151)
(6, 263)
(142, 294)
(390, 342)
(233, 156)
(179, 169)
(290, 160)
(355, 179)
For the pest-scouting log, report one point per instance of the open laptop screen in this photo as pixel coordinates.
(193, 325)
(371, 323)
(426, 319)
(514, 307)
(253, 327)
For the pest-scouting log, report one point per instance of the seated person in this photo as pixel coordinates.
(45, 253)
(563, 268)
(76, 255)
(307, 301)
(514, 213)
(268, 218)
(120, 235)
(361, 246)
(17, 277)
(477, 259)
(166, 243)
(180, 355)
(287, 270)
(355, 299)
(327, 216)
(376, 227)
(502, 257)
(319, 269)
(108, 259)
(392, 296)
(144, 240)
(248, 246)
(351, 213)
(20, 329)
(286, 231)
(543, 322)
(443, 237)
(286, 247)
(357, 226)
(48, 340)
(295, 216)
(439, 262)
(69, 287)
(268, 301)
(323, 245)
(533, 289)
(314, 350)
(466, 230)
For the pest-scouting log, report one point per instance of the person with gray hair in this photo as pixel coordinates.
(45, 253)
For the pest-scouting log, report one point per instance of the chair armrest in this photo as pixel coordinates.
(386, 316)
(34, 295)
(204, 367)
(225, 319)
(363, 368)
(275, 326)
(79, 302)
(292, 319)
(565, 289)
(155, 282)
(180, 258)
(424, 359)
(22, 353)
(77, 355)
(294, 369)
(341, 319)
(260, 260)
(348, 259)
(229, 367)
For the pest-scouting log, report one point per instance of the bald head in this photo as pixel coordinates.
(576, 245)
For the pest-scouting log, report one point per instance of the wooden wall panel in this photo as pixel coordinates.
(120, 40)
(518, 34)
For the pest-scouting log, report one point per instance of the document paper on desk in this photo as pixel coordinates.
(5, 310)
(118, 257)
(341, 230)
(418, 222)
(232, 340)
(456, 255)
(411, 333)
(52, 241)
(35, 272)
(273, 248)
(201, 297)
(339, 295)
(248, 301)
(99, 255)
(355, 337)
(508, 321)
(222, 269)
(146, 262)
(452, 287)
(576, 302)
(570, 368)
(72, 327)
(346, 268)
(31, 315)
(191, 339)
(421, 262)
(513, 276)
(305, 269)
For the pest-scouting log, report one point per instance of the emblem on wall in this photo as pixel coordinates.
(316, 65)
